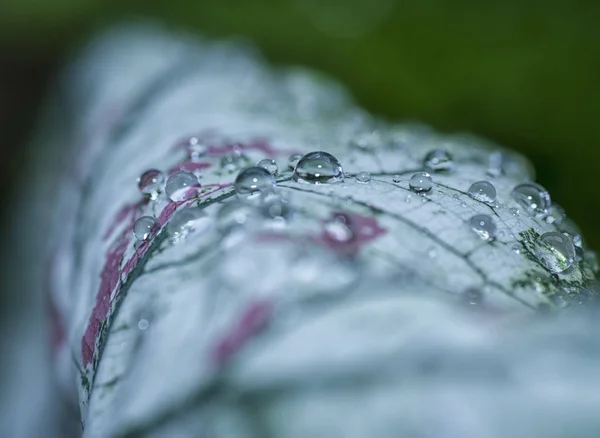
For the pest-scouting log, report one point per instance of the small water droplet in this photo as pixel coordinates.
(338, 228)
(555, 251)
(143, 324)
(367, 141)
(421, 182)
(495, 164)
(269, 165)
(439, 160)
(318, 168)
(196, 148)
(363, 177)
(455, 197)
(532, 197)
(463, 204)
(516, 249)
(556, 215)
(253, 183)
(186, 221)
(293, 160)
(145, 227)
(182, 186)
(234, 161)
(472, 296)
(233, 215)
(277, 208)
(484, 226)
(396, 178)
(150, 182)
(408, 199)
(514, 211)
(483, 191)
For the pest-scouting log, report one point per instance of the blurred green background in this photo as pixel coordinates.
(524, 73)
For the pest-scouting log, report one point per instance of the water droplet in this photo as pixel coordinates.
(421, 182)
(483, 191)
(367, 141)
(234, 161)
(555, 251)
(182, 186)
(396, 178)
(514, 211)
(472, 296)
(145, 227)
(455, 197)
(186, 221)
(484, 226)
(234, 215)
(269, 165)
(143, 324)
(253, 183)
(556, 214)
(318, 168)
(516, 249)
(338, 228)
(363, 177)
(293, 160)
(150, 182)
(439, 160)
(196, 148)
(532, 197)
(495, 164)
(408, 199)
(463, 204)
(277, 208)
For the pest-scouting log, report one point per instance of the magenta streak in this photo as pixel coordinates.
(365, 229)
(110, 275)
(253, 320)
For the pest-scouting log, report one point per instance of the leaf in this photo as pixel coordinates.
(322, 286)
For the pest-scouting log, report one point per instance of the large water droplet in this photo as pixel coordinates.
(254, 182)
(269, 165)
(234, 161)
(532, 197)
(483, 191)
(318, 168)
(145, 227)
(293, 160)
(182, 186)
(186, 221)
(438, 160)
(150, 182)
(555, 251)
(484, 226)
(363, 177)
(338, 228)
(421, 182)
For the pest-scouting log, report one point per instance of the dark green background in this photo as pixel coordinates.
(523, 73)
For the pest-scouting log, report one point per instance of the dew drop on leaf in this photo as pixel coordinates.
(253, 182)
(145, 227)
(150, 182)
(234, 161)
(533, 198)
(182, 186)
(318, 168)
(293, 160)
(269, 165)
(555, 251)
(483, 191)
(438, 160)
(363, 177)
(484, 226)
(421, 182)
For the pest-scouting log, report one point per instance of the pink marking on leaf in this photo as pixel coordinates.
(364, 230)
(253, 320)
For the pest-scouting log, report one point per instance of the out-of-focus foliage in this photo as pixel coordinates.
(523, 73)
